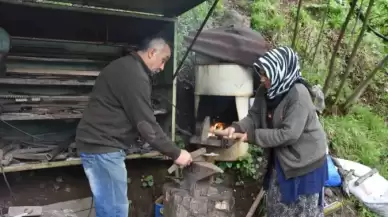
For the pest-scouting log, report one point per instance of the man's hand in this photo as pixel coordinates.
(184, 158)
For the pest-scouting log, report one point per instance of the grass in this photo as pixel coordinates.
(360, 136)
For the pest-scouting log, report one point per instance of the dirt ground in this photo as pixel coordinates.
(43, 187)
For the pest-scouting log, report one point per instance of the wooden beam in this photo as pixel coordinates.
(78, 207)
(30, 81)
(71, 162)
(66, 72)
(45, 59)
(30, 116)
(73, 205)
(38, 98)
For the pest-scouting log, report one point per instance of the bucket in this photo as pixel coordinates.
(159, 207)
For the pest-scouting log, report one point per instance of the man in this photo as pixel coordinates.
(119, 110)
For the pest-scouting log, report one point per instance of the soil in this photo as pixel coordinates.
(43, 187)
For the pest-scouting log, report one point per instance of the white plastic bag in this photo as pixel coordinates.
(373, 192)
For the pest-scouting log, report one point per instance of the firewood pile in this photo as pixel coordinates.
(34, 82)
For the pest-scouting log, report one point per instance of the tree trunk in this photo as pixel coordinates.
(330, 76)
(320, 35)
(217, 202)
(361, 88)
(296, 24)
(354, 51)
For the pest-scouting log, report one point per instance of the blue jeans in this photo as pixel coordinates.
(107, 177)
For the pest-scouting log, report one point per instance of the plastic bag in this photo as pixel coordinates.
(373, 192)
(319, 99)
(334, 179)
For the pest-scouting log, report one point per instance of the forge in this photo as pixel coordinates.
(222, 96)
(222, 92)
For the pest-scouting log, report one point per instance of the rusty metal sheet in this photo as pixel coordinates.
(240, 45)
(170, 8)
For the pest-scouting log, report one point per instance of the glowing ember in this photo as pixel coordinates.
(219, 126)
(216, 126)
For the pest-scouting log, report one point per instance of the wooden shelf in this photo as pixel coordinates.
(53, 72)
(30, 116)
(31, 81)
(63, 60)
(38, 98)
(71, 162)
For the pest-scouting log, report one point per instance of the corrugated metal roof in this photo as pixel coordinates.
(168, 8)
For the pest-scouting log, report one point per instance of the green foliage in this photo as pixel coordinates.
(266, 17)
(247, 167)
(192, 20)
(360, 136)
(337, 14)
(179, 142)
(379, 18)
(276, 21)
(147, 181)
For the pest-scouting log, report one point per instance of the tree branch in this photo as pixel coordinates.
(296, 24)
(361, 88)
(321, 31)
(354, 51)
(330, 76)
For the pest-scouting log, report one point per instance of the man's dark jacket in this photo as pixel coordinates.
(120, 109)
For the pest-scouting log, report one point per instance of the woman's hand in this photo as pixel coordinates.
(244, 138)
(230, 132)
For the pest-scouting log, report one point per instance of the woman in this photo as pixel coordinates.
(284, 122)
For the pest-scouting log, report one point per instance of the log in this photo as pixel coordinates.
(218, 202)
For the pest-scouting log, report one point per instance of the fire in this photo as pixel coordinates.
(219, 126)
(216, 126)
